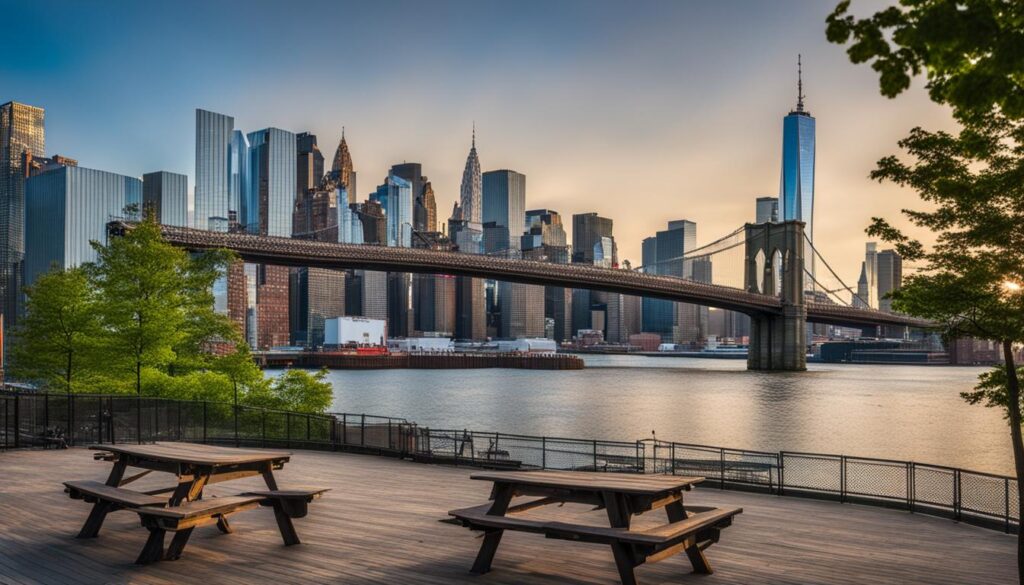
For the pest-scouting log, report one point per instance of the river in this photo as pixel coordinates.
(898, 412)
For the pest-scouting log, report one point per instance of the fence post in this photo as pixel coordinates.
(308, 436)
(595, 454)
(17, 419)
(263, 427)
(956, 494)
(721, 468)
(672, 454)
(71, 418)
(138, 418)
(911, 485)
(842, 479)
(389, 435)
(543, 452)
(46, 411)
(180, 436)
(1006, 502)
(429, 452)
(344, 428)
(782, 473)
(362, 432)
(288, 429)
(204, 421)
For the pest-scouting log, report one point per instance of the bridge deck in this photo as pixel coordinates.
(380, 525)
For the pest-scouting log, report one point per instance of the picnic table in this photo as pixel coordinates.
(180, 508)
(689, 529)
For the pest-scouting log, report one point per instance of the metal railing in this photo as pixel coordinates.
(39, 419)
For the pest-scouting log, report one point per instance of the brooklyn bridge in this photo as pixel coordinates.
(773, 295)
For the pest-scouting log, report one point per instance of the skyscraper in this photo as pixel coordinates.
(871, 273)
(268, 208)
(796, 190)
(890, 277)
(342, 174)
(166, 195)
(860, 299)
(767, 210)
(587, 230)
(238, 175)
(471, 191)
(465, 229)
(214, 139)
(588, 233)
(545, 240)
(395, 197)
(22, 130)
(68, 207)
(309, 169)
(504, 203)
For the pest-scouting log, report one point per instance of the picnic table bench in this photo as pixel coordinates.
(184, 509)
(690, 530)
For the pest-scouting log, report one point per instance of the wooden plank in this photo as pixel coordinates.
(122, 496)
(196, 453)
(649, 485)
(778, 540)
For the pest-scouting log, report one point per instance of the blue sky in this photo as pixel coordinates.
(641, 111)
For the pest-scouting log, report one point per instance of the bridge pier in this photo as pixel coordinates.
(775, 266)
(779, 342)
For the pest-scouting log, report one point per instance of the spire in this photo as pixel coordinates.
(343, 133)
(474, 133)
(799, 85)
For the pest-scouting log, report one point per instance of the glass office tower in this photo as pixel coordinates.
(238, 172)
(214, 133)
(68, 207)
(267, 207)
(166, 195)
(796, 190)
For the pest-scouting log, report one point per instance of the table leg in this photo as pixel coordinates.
(268, 478)
(676, 511)
(492, 537)
(178, 544)
(153, 551)
(91, 528)
(624, 563)
(223, 526)
(617, 506)
(284, 524)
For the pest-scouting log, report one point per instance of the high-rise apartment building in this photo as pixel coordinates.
(68, 207)
(22, 130)
(166, 196)
(796, 189)
(767, 210)
(215, 138)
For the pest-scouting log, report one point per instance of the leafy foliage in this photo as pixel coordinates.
(57, 336)
(141, 319)
(971, 51)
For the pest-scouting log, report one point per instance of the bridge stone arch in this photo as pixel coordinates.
(777, 341)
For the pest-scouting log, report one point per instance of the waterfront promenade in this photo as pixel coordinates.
(380, 524)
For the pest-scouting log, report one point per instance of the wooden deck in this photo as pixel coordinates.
(380, 524)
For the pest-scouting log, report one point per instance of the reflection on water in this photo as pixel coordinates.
(898, 412)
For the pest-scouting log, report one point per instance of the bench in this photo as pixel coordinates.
(631, 548)
(107, 499)
(182, 520)
(288, 504)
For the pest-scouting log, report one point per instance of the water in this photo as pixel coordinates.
(898, 412)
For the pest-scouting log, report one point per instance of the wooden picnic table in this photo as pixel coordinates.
(621, 496)
(195, 467)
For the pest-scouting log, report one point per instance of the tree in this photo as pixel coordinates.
(971, 51)
(295, 390)
(59, 330)
(972, 181)
(155, 302)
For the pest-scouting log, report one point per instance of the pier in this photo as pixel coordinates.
(421, 361)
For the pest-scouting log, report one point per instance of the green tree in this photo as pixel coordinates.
(155, 303)
(972, 51)
(971, 181)
(295, 390)
(57, 335)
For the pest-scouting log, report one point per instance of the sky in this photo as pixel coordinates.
(645, 111)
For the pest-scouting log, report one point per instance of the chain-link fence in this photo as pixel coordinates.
(31, 419)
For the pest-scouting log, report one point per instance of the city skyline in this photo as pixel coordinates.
(566, 146)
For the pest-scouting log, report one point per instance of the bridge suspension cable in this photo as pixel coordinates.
(844, 286)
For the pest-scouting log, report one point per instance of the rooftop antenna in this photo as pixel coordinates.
(799, 84)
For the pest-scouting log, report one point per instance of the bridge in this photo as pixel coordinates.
(778, 317)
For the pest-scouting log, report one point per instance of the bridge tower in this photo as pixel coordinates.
(775, 266)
